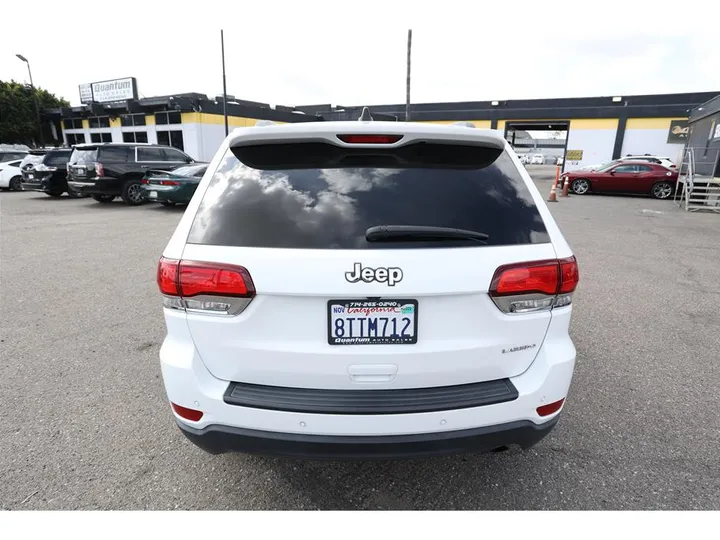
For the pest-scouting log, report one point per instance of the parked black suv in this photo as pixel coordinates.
(110, 170)
(46, 171)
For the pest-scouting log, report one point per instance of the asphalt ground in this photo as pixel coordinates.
(86, 425)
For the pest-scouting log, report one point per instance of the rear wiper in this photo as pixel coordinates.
(419, 233)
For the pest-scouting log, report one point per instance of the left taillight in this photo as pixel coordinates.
(203, 287)
(534, 286)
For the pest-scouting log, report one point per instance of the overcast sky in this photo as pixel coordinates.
(312, 52)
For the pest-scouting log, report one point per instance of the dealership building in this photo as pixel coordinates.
(597, 129)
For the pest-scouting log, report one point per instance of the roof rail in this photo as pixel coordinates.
(365, 116)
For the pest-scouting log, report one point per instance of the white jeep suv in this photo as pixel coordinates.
(366, 290)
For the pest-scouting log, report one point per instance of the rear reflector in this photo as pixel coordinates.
(550, 408)
(205, 287)
(370, 139)
(187, 414)
(534, 286)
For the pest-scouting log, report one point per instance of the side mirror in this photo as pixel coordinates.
(612, 172)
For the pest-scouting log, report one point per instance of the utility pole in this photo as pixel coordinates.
(222, 47)
(407, 82)
(41, 139)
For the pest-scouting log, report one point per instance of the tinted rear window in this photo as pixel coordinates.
(319, 196)
(53, 159)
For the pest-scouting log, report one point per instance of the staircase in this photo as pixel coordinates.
(698, 192)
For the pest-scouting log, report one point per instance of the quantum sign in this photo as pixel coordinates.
(105, 91)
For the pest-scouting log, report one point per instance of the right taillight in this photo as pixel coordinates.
(203, 287)
(534, 286)
(99, 169)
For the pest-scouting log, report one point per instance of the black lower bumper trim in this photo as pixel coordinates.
(217, 439)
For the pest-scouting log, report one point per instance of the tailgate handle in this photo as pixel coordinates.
(372, 373)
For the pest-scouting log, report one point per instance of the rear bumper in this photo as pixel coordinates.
(96, 186)
(217, 439)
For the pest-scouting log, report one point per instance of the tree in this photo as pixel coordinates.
(17, 112)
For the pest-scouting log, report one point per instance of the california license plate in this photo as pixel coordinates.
(30, 176)
(372, 322)
(153, 195)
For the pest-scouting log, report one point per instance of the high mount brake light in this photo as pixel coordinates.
(204, 287)
(534, 286)
(370, 139)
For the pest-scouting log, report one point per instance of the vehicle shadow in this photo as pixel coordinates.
(512, 479)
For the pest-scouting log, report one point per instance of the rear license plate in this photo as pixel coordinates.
(371, 322)
(30, 176)
(80, 171)
(153, 195)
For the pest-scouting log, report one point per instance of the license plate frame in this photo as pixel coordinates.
(375, 305)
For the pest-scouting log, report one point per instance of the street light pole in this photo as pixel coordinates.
(222, 48)
(37, 106)
(407, 82)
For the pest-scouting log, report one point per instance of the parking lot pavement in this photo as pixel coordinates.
(86, 424)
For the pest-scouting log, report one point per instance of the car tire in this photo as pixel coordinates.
(662, 190)
(580, 186)
(168, 204)
(15, 183)
(132, 193)
(104, 198)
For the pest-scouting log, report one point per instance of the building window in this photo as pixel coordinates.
(72, 123)
(104, 136)
(75, 138)
(130, 120)
(171, 138)
(170, 117)
(99, 121)
(135, 136)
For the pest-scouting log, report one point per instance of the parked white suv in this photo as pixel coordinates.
(537, 159)
(366, 290)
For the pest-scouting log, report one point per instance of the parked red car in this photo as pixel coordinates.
(625, 177)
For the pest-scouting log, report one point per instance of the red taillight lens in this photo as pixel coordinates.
(569, 275)
(204, 287)
(144, 181)
(215, 279)
(526, 278)
(187, 414)
(169, 183)
(167, 276)
(534, 286)
(99, 169)
(550, 408)
(370, 139)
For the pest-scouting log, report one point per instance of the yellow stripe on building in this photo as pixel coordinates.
(149, 119)
(650, 123)
(86, 123)
(115, 122)
(219, 119)
(594, 123)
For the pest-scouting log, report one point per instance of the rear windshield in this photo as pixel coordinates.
(55, 158)
(190, 170)
(33, 159)
(320, 196)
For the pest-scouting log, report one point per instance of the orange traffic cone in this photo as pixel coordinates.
(566, 187)
(553, 189)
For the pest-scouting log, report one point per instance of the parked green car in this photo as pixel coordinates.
(173, 187)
